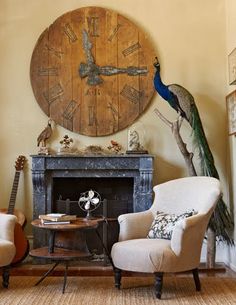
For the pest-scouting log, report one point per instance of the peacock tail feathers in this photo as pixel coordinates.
(200, 141)
(220, 222)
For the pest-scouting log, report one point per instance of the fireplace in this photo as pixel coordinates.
(124, 181)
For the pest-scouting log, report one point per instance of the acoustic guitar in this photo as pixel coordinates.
(21, 243)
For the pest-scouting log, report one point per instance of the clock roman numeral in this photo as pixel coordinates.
(53, 93)
(92, 118)
(131, 94)
(54, 51)
(70, 33)
(114, 111)
(48, 71)
(70, 110)
(114, 32)
(69, 113)
(131, 49)
(93, 26)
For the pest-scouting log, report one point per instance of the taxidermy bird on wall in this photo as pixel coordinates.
(45, 134)
(183, 102)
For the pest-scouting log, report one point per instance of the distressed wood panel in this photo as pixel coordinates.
(92, 71)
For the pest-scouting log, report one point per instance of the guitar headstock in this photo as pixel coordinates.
(20, 162)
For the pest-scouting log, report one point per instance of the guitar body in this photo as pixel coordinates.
(20, 241)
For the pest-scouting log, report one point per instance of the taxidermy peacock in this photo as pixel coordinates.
(183, 102)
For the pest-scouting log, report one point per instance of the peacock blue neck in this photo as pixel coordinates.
(161, 88)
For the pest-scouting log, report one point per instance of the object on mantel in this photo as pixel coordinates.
(43, 137)
(94, 150)
(136, 139)
(65, 146)
(115, 147)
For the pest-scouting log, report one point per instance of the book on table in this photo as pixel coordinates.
(56, 218)
(48, 222)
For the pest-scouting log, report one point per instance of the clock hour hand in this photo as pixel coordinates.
(93, 71)
(131, 70)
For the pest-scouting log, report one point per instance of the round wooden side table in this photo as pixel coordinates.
(59, 247)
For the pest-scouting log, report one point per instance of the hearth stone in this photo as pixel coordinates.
(52, 174)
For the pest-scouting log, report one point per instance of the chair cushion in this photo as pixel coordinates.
(163, 224)
(143, 255)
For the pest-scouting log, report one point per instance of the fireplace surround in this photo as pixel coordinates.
(125, 181)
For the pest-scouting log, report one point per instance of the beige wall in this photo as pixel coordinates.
(231, 44)
(189, 37)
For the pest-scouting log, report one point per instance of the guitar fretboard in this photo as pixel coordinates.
(13, 193)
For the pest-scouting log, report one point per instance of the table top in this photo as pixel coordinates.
(78, 224)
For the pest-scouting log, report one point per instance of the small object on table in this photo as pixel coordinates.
(57, 218)
(89, 201)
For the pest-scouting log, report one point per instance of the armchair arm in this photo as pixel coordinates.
(188, 233)
(135, 225)
(7, 225)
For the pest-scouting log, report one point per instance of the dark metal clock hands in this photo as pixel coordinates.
(92, 71)
(110, 70)
(87, 46)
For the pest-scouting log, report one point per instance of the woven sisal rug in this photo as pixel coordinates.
(101, 291)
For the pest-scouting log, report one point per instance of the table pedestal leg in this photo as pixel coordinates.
(65, 277)
(47, 273)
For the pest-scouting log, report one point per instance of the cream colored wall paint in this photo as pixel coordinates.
(189, 37)
(231, 44)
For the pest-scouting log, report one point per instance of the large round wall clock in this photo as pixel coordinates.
(92, 71)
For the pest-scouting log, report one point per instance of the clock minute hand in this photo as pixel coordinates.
(87, 45)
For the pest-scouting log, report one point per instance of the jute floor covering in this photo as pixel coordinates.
(101, 291)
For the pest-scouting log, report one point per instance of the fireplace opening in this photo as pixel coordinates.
(118, 195)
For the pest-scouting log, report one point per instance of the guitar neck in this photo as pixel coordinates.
(13, 193)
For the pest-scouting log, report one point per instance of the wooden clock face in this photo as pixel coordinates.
(92, 71)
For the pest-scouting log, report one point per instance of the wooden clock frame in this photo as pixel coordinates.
(92, 71)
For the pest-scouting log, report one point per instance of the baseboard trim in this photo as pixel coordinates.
(39, 270)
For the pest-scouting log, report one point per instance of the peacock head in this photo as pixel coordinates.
(157, 64)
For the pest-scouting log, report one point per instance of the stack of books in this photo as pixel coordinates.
(56, 218)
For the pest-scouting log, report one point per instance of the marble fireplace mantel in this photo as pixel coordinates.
(47, 168)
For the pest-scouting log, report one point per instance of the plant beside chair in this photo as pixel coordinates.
(168, 237)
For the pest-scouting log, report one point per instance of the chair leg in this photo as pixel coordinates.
(158, 284)
(117, 277)
(5, 276)
(196, 279)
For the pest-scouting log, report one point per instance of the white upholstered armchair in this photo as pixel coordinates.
(7, 247)
(135, 252)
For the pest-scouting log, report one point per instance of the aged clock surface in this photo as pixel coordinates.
(92, 71)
